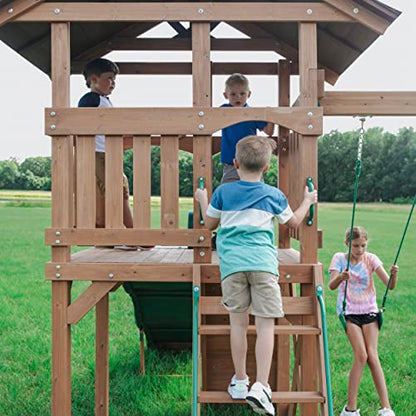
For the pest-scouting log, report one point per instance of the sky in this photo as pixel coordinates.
(388, 65)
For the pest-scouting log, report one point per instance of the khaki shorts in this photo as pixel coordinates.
(259, 289)
(100, 175)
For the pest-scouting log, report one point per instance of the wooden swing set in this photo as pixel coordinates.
(319, 40)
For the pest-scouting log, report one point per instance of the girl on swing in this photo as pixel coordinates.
(361, 314)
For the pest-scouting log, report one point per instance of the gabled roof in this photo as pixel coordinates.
(339, 43)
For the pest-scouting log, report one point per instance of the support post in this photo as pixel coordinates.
(308, 147)
(101, 358)
(62, 216)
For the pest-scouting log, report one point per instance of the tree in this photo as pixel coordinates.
(9, 173)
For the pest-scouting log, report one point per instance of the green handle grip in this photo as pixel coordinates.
(201, 182)
(309, 220)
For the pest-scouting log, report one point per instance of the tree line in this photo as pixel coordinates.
(388, 168)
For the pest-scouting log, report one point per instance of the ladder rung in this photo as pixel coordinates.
(278, 330)
(277, 397)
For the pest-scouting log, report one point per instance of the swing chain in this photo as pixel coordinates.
(361, 138)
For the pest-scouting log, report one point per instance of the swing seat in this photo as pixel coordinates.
(380, 318)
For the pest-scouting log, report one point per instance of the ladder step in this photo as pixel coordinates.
(278, 330)
(277, 397)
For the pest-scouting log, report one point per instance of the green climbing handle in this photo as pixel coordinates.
(196, 293)
(319, 295)
(201, 182)
(309, 220)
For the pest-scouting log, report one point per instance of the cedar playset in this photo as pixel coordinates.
(180, 276)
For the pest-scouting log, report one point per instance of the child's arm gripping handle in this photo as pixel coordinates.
(309, 220)
(201, 182)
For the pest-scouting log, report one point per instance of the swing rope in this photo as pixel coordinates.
(357, 176)
(398, 252)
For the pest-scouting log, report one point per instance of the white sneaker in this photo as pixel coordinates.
(260, 399)
(386, 412)
(238, 389)
(346, 412)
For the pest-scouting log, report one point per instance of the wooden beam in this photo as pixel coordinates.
(185, 68)
(127, 236)
(87, 300)
(178, 12)
(377, 103)
(16, 8)
(361, 14)
(171, 121)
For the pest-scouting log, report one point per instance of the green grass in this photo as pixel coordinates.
(25, 327)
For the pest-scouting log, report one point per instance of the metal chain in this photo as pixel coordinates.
(361, 138)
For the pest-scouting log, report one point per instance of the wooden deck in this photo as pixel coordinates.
(159, 254)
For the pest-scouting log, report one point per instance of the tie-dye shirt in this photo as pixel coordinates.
(245, 240)
(361, 293)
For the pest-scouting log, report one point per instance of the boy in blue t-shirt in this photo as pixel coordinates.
(237, 91)
(248, 260)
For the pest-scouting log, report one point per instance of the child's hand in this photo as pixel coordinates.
(201, 195)
(394, 270)
(345, 275)
(310, 196)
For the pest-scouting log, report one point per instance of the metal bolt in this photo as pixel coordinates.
(58, 275)
(309, 11)
(58, 267)
(310, 127)
(202, 253)
(10, 10)
(111, 275)
(201, 11)
(57, 11)
(288, 276)
(57, 232)
(356, 10)
(310, 114)
(201, 127)
(57, 241)
(201, 239)
(53, 126)
(201, 114)
(196, 289)
(53, 114)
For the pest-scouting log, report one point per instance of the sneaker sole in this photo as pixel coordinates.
(257, 406)
(238, 397)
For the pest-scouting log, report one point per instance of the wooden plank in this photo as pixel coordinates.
(172, 121)
(86, 182)
(16, 8)
(141, 182)
(361, 14)
(62, 216)
(114, 182)
(169, 181)
(102, 385)
(308, 150)
(180, 12)
(202, 145)
(377, 103)
(87, 300)
(278, 330)
(302, 305)
(284, 161)
(127, 236)
(124, 272)
(277, 397)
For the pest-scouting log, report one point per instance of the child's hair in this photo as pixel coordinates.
(357, 232)
(236, 79)
(97, 67)
(253, 152)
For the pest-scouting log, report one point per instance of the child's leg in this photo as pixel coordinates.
(264, 348)
(127, 215)
(238, 341)
(370, 332)
(356, 338)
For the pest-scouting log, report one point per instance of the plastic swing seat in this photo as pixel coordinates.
(343, 320)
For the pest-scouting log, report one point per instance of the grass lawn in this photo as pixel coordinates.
(166, 388)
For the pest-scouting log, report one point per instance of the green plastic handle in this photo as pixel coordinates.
(201, 182)
(309, 220)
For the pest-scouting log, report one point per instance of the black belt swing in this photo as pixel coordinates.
(357, 175)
